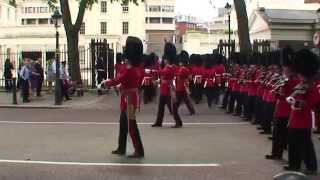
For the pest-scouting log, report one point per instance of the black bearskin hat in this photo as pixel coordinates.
(287, 55)
(133, 50)
(305, 63)
(209, 61)
(170, 53)
(119, 58)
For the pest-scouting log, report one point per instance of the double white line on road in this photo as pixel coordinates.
(106, 164)
(114, 123)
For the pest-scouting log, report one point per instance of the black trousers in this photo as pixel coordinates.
(101, 76)
(231, 102)
(226, 99)
(8, 84)
(132, 128)
(258, 110)
(240, 101)
(249, 107)
(198, 90)
(181, 97)
(267, 117)
(25, 89)
(210, 93)
(64, 89)
(163, 101)
(148, 93)
(39, 86)
(301, 148)
(280, 136)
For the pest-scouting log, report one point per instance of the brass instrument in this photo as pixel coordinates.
(300, 89)
(277, 86)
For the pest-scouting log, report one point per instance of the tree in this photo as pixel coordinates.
(72, 31)
(243, 26)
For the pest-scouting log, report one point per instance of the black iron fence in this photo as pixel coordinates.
(87, 61)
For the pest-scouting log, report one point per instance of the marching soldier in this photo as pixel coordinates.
(282, 89)
(130, 81)
(197, 73)
(304, 99)
(209, 80)
(166, 84)
(148, 85)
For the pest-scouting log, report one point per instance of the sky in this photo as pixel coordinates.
(200, 8)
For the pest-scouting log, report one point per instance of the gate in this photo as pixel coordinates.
(261, 46)
(225, 48)
(100, 50)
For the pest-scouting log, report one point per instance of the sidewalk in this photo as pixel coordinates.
(89, 100)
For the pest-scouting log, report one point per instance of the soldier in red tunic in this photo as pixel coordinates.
(148, 84)
(166, 83)
(304, 99)
(130, 81)
(210, 85)
(197, 77)
(281, 90)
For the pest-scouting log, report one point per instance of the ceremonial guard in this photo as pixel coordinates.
(210, 86)
(166, 83)
(148, 84)
(304, 99)
(197, 77)
(130, 81)
(219, 69)
(281, 89)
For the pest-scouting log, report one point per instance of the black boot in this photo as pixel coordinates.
(136, 139)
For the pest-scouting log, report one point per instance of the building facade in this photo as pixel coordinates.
(29, 30)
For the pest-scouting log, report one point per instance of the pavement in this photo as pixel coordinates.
(75, 144)
(46, 101)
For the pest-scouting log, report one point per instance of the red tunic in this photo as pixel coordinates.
(209, 77)
(197, 74)
(130, 81)
(283, 108)
(120, 68)
(302, 118)
(181, 80)
(166, 78)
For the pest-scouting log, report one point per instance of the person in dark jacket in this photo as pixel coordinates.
(8, 67)
(39, 70)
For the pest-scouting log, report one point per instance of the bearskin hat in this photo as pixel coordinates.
(286, 56)
(133, 50)
(305, 63)
(119, 58)
(210, 60)
(170, 53)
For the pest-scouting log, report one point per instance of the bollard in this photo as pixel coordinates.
(14, 91)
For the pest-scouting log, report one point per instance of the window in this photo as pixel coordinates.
(167, 20)
(38, 9)
(31, 21)
(167, 9)
(154, 20)
(155, 8)
(103, 27)
(125, 27)
(83, 28)
(43, 21)
(103, 6)
(43, 9)
(23, 21)
(147, 20)
(125, 8)
(29, 10)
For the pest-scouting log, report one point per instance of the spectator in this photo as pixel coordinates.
(8, 67)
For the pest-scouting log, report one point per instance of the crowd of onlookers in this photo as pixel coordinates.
(30, 78)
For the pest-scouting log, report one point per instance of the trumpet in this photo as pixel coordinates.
(277, 87)
(300, 89)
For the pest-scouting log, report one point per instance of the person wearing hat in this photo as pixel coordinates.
(210, 86)
(166, 83)
(148, 84)
(304, 99)
(130, 81)
(281, 91)
(181, 90)
(197, 77)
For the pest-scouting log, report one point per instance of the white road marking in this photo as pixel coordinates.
(113, 123)
(107, 164)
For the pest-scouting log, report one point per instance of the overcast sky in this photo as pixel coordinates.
(200, 8)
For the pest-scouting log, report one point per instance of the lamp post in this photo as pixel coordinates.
(228, 8)
(56, 17)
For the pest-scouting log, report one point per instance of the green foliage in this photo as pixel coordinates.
(13, 3)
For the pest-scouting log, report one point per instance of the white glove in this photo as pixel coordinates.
(99, 86)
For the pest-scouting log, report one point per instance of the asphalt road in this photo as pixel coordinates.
(76, 144)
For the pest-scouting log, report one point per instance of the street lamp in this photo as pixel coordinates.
(56, 17)
(228, 8)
